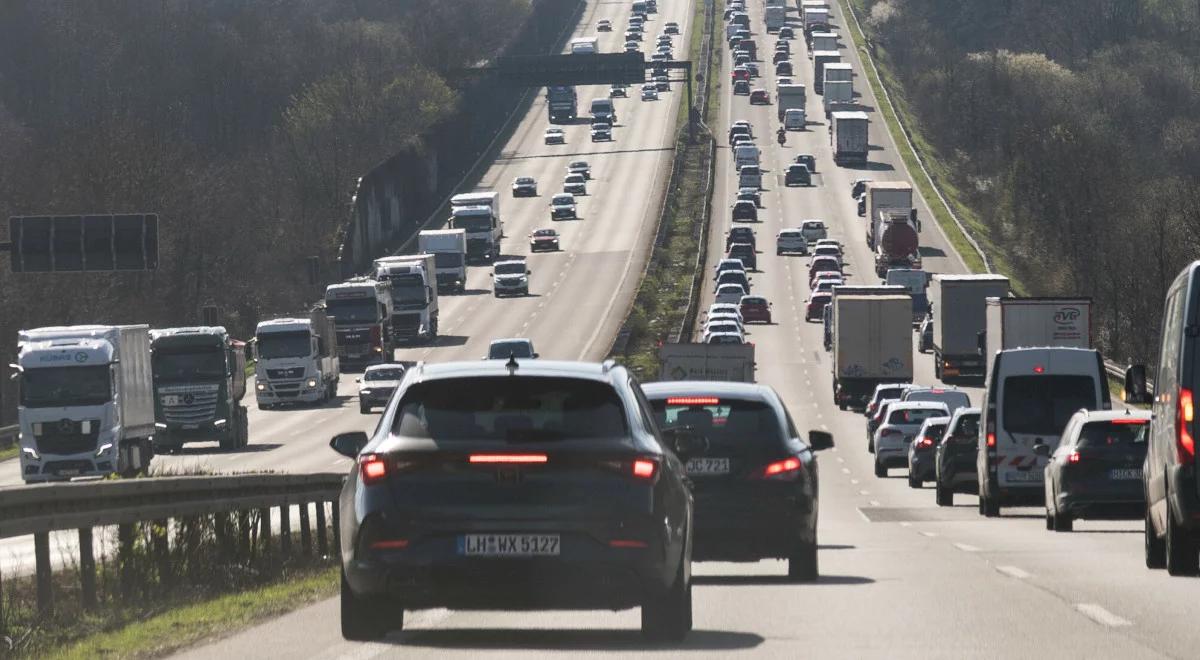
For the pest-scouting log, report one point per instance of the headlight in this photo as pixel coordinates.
(312, 382)
(32, 453)
(261, 387)
(364, 391)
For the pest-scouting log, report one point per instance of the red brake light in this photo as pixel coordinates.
(788, 468)
(693, 401)
(1039, 369)
(1130, 420)
(390, 544)
(372, 468)
(991, 440)
(644, 468)
(888, 432)
(925, 442)
(1185, 444)
(1073, 457)
(508, 458)
(626, 543)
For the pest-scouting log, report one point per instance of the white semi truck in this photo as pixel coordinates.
(449, 250)
(414, 290)
(86, 406)
(297, 360)
(479, 215)
(872, 345)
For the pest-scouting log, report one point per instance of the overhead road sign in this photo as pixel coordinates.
(78, 243)
(574, 69)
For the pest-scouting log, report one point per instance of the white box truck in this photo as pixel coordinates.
(584, 46)
(775, 17)
(297, 360)
(449, 250)
(815, 16)
(959, 307)
(822, 58)
(823, 41)
(838, 96)
(86, 403)
(885, 198)
(1035, 323)
(849, 137)
(732, 362)
(872, 345)
(479, 214)
(788, 97)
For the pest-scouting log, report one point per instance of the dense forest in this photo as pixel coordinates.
(1073, 127)
(245, 125)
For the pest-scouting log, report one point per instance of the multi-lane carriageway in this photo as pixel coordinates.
(900, 576)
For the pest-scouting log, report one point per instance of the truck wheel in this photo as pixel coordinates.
(914, 482)
(229, 441)
(1062, 523)
(433, 329)
(243, 426)
(364, 409)
(937, 366)
(991, 508)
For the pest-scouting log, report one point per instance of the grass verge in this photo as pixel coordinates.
(180, 627)
(10, 452)
(937, 169)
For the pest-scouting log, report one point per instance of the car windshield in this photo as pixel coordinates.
(545, 232)
(46, 387)
(563, 200)
(392, 373)
(952, 398)
(1041, 405)
(510, 268)
(273, 345)
(511, 410)
(524, 180)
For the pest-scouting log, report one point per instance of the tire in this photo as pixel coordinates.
(802, 564)
(1182, 553)
(229, 441)
(914, 482)
(364, 409)
(243, 426)
(944, 496)
(870, 445)
(991, 509)
(1063, 522)
(841, 406)
(367, 619)
(433, 329)
(1049, 520)
(1156, 548)
(880, 470)
(667, 617)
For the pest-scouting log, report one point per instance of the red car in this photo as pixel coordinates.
(760, 97)
(543, 239)
(740, 73)
(815, 311)
(755, 308)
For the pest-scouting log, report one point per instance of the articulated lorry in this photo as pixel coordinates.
(730, 362)
(478, 214)
(449, 250)
(297, 360)
(885, 198)
(86, 403)
(838, 96)
(916, 282)
(848, 137)
(872, 345)
(562, 103)
(788, 97)
(959, 307)
(822, 41)
(362, 312)
(199, 383)
(1035, 323)
(414, 291)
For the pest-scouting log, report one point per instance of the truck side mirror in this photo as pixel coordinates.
(981, 341)
(1136, 389)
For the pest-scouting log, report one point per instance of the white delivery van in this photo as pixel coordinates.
(749, 177)
(795, 119)
(1030, 395)
(746, 154)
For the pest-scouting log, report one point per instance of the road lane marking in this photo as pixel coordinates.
(929, 534)
(863, 516)
(1101, 615)
(845, 470)
(864, 492)
(1014, 572)
(906, 524)
(841, 460)
(854, 481)
(966, 548)
(874, 502)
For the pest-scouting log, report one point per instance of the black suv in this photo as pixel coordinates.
(519, 485)
(954, 468)
(740, 235)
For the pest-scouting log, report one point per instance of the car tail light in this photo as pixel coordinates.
(509, 458)
(925, 442)
(1130, 420)
(1073, 457)
(788, 468)
(693, 401)
(644, 468)
(627, 543)
(991, 440)
(372, 468)
(390, 544)
(887, 432)
(1185, 444)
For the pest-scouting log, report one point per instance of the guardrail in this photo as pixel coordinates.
(41, 509)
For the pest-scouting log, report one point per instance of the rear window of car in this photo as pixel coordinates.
(935, 431)
(1043, 404)
(1109, 435)
(384, 374)
(732, 426)
(968, 426)
(519, 349)
(953, 400)
(510, 409)
(914, 415)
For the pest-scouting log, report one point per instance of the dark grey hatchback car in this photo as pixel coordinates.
(518, 485)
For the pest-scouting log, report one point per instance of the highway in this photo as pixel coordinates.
(900, 577)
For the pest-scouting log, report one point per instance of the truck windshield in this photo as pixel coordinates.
(353, 311)
(447, 259)
(66, 386)
(408, 289)
(472, 223)
(208, 363)
(283, 345)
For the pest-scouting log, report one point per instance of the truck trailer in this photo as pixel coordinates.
(872, 345)
(820, 59)
(730, 362)
(479, 215)
(86, 404)
(449, 250)
(849, 137)
(199, 383)
(959, 307)
(1035, 323)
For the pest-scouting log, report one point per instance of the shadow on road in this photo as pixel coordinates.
(572, 640)
(872, 166)
(759, 580)
(927, 251)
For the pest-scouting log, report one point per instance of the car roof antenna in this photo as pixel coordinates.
(512, 365)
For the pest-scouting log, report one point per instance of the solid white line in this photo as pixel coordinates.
(1014, 572)
(906, 524)
(966, 548)
(1101, 615)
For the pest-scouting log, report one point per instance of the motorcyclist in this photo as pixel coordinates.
(781, 135)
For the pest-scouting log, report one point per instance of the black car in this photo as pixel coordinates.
(741, 87)
(797, 175)
(745, 252)
(954, 469)
(740, 235)
(858, 187)
(923, 450)
(1096, 471)
(520, 485)
(783, 68)
(755, 484)
(807, 160)
(745, 211)
(786, 33)
(738, 277)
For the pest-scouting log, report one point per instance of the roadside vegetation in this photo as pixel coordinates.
(1067, 135)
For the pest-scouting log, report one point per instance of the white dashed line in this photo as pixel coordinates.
(1014, 572)
(874, 502)
(966, 548)
(929, 534)
(854, 481)
(845, 470)
(906, 524)
(841, 460)
(864, 492)
(1102, 616)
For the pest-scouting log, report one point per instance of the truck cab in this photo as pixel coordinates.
(199, 381)
(297, 360)
(482, 225)
(414, 295)
(361, 309)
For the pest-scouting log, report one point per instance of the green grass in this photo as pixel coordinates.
(937, 170)
(180, 627)
(10, 452)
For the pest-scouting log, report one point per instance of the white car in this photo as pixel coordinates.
(601, 132)
(575, 184)
(580, 167)
(814, 230)
(649, 92)
(727, 308)
(555, 136)
(794, 119)
(827, 251)
(724, 316)
(730, 293)
(790, 241)
(895, 433)
(721, 328)
(725, 338)
(825, 286)
(782, 80)
(727, 264)
(377, 384)
(604, 25)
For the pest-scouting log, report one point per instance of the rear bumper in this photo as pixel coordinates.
(921, 466)
(750, 529)
(1101, 506)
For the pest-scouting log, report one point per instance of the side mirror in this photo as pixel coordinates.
(535, 355)
(685, 441)
(358, 380)
(528, 272)
(1041, 450)
(820, 440)
(349, 444)
(1136, 389)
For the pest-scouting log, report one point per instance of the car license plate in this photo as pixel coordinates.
(508, 545)
(69, 472)
(1032, 476)
(1122, 474)
(708, 466)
